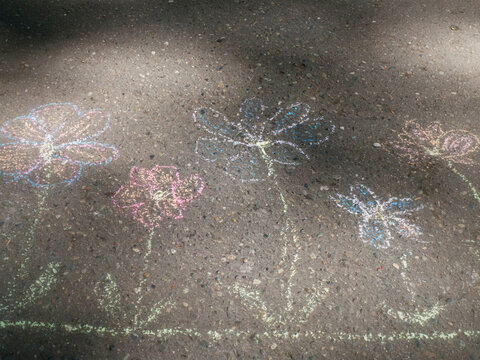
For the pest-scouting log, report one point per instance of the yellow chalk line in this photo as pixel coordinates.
(474, 191)
(219, 334)
(94, 330)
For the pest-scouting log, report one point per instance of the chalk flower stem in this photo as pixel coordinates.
(151, 196)
(140, 289)
(17, 297)
(288, 227)
(421, 143)
(472, 188)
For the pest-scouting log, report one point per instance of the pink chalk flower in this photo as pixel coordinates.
(421, 143)
(53, 143)
(152, 195)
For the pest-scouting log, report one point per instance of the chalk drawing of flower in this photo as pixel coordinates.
(158, 193)
(421, 143)
(53, 143)
(379, 219)
(280, 139)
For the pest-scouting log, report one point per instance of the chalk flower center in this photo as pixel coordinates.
(160, 195)
(433, 151)
(47, 150)
(262, 144)
(379, 213)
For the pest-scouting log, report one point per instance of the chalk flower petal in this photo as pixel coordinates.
(379, 219)
(215, 123)
(375, 233)
(286, 153)
(24, 129)
(56, 171)
(188, 189)
(247, 166)
(18, 159)
(458, 143)
(218, 150)
(280, 139)
(53, 117)
(87, 153)
(84, 127)
(402, 206)
(288, 117)
(421, 143)
(251, 117)
(154, 194)
(129, 196)
(162, 178)
(147, 215)
(313, 132)
(53, 138)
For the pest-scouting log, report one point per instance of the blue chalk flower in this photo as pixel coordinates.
(379, 218)
(280, 139)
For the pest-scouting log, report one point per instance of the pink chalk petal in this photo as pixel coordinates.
(54, 116)
(139, 176)
(84, 127)
(162, 178)
(169, 207)
(56, 171)
(433, 131)
(25, 129)
(147, 215)
(424, 136)
(458, 143)
(415, 153)
(18, 159)
(130, 196)
(188, 189)
(87, 154)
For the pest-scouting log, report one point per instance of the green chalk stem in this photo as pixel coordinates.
(474, 191)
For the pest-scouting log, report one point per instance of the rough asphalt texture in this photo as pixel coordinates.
(77, 277)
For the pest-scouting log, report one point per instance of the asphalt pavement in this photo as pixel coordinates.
(192, 179)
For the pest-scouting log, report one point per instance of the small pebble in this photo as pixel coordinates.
(377, 145)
